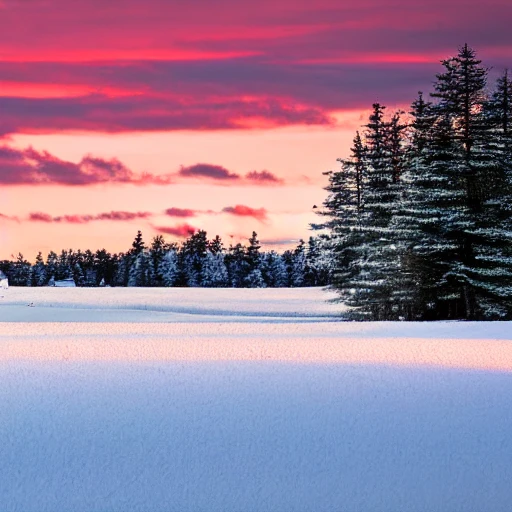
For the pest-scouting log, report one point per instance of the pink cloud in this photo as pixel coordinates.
(216, 172)
(180, 212)
(263, 177)
(40, 217)
(181, 230)
(84, 219)
(252, 66)
(8, 217)
(31, 167)
(246, 211)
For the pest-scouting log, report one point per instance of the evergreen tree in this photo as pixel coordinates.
(254, 279)
(273, 270)
(216, 246)
(141, 272)
(123, 266)
(138, 244)
(253, 253)
(78, 275)
(344, 208)
(236, 264)
(169, 268)
(368, 285)
(461, 93)
(51, 265)
(64, 269)
(298, 265)
(193, 254)
(157, 252)
(214, 273)
(317, 271)
(39, 271)
(20, 272)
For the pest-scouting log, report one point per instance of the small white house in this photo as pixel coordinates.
(69, 282)
(4, 282)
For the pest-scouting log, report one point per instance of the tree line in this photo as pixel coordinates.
(197, 262)
(418, 218)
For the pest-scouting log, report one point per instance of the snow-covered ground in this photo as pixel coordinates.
(47, 304)
(246, 400)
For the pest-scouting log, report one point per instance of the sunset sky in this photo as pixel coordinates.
(172, 115)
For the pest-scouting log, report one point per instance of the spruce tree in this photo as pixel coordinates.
(479, 267)
(39, 271)
(374, 269)
(214, 273)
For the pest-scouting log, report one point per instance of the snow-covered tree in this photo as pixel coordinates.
(168, 268)
(39, 276)
(214, 273)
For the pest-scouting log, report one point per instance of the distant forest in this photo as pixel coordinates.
(197, 262)
(420, 215)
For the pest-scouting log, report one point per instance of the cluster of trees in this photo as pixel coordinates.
(419, 216)
(196, 262)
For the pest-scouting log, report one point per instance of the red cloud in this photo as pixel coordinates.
(250, 67)
(180, 212)
(181, 230)
(246, 211)
(40, 217)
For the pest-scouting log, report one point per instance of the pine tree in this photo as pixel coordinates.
(193, 254)
(317, 271)
(138, 244)
(169, 268)
(236, 264)
(252, 254)
(255, 279)
(157, 251)
(343, 208)
(376, 265)
(216, 246)
(298, 265)
(78, 275)
(123, 266)
(39, 271)
(141, 271)
(21, 272)
(214, 273)
(461, 93)
(51, 265)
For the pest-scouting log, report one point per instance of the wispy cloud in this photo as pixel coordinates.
(84, 219)
(9, 217)
(31, 167)
(216, 172)
(180, 212)
(241, 210)
(263, 177)
(180, 230)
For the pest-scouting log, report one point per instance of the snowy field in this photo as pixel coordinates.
(246, 400)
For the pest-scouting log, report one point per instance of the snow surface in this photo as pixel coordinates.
(166, 304)
(246, 400)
